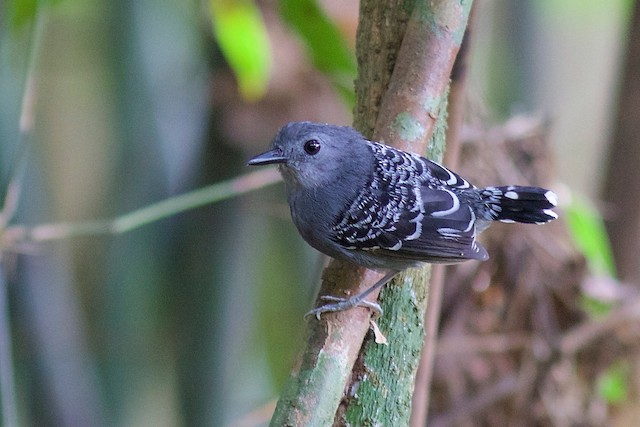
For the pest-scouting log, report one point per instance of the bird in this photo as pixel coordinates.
(386, 209)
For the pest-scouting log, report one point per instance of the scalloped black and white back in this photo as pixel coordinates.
(415, 210)
(384, 208)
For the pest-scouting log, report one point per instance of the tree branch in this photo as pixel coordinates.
(422, 390)
(412, 117)
(413, 49)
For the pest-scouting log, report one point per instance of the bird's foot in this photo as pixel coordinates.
(341, 304)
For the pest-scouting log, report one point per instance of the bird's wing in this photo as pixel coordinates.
(410, 210)
(447, 234)
(441, 231)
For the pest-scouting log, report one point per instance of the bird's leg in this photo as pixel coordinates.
(341, 304)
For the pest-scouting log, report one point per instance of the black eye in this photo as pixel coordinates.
(312, 147)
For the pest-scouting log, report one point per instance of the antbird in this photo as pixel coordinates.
(387, 209)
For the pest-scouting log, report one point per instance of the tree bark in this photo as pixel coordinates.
(622, 180)
(412, 117)
(455, 119)
(405, 51)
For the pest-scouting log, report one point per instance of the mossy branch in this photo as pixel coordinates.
(405, 51)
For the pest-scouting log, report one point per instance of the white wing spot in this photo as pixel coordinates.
(552, 198)
(511, 195)
(507, 221)
(449, 233)
(550, 213)
(452, 178)
(454, 208)
(472, 221)
(416, 234)
(397, 246)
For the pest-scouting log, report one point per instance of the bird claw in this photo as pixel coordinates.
(341, 304)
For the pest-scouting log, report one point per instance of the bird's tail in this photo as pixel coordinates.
(532, 205)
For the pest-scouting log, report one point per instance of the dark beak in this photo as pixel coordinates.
(267, 158)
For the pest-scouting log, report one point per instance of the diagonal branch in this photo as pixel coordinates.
(17, 235)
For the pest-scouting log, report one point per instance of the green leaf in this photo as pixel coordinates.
(613, 384)
(595, 307)
(588, 232)
(325, 44)
(22, 12)
(240, 31)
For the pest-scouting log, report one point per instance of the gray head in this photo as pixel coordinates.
(313, 154)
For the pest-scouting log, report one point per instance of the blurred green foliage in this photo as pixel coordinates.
(325, 44)
(241, 34)
(589, 234)
(587, 230)
(21, 12)
(240, 31)
(613, 384)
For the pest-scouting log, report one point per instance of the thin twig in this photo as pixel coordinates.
(8, 210)
(422, 390)
(20, 234)
(434, 304)
(474, 344)
(26, 126)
